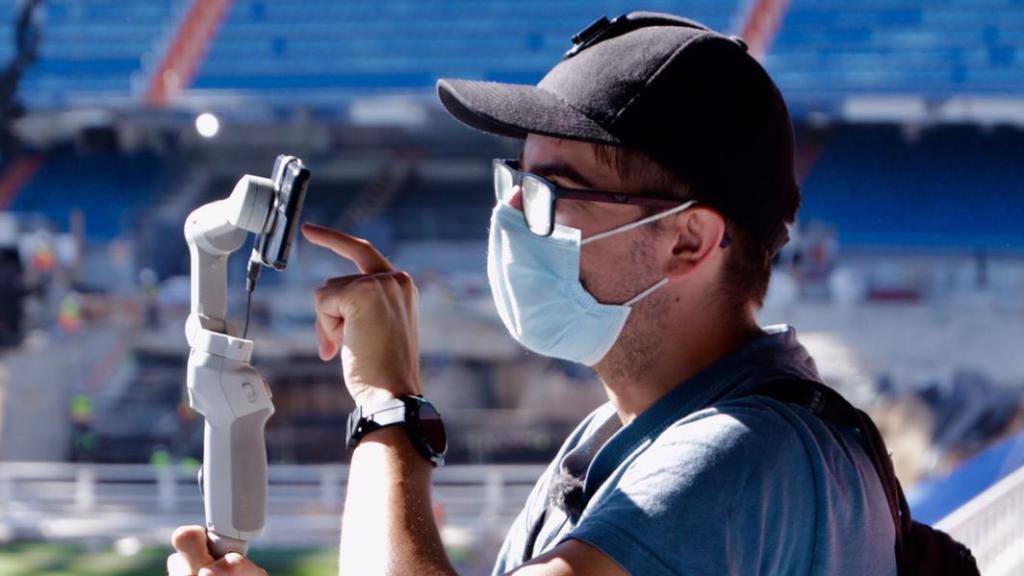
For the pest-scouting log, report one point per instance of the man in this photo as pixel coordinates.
(635, 235)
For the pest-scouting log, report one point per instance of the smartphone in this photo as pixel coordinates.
(290, 181)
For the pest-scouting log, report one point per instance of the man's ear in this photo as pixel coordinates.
(697, 233)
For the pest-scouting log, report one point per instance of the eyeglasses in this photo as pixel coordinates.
(540, 195)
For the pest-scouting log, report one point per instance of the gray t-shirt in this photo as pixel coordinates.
(707, 481)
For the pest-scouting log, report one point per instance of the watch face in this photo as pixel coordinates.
(432, 429)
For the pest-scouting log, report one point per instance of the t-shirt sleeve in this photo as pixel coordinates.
(729, 490)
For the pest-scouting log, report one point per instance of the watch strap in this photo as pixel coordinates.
(366, 419)
(403, 411)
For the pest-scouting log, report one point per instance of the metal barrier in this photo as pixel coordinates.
(108, 502)
(992, 526)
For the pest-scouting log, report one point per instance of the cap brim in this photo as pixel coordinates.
(516, 110)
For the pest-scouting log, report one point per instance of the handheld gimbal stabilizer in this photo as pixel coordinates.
(222, 386)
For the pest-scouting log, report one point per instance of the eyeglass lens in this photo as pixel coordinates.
(537, 197)
(537, 205)
(503, 182)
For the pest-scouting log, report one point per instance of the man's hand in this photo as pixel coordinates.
(371, 317)
(193, 558)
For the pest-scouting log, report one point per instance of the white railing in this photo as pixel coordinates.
(108, 502)
(992, 526)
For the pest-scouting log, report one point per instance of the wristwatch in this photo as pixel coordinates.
(421, 421)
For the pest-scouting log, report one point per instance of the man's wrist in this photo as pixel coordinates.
(373, 396)
(396, 440)
(389, 435)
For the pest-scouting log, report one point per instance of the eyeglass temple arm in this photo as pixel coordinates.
(616, 198)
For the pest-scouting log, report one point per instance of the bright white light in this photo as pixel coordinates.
(129, 546)
(207, 125)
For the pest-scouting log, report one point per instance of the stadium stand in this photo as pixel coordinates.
(443, 212)
(830, 49)
(8, 13)
(89, 50)
(826, 50)
(284, 48)
(955, 187)
(110, 190)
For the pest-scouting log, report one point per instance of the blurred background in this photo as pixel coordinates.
(905, 276)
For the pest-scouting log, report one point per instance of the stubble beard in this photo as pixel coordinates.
(643, 335)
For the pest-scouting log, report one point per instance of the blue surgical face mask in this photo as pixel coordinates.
(535, 281)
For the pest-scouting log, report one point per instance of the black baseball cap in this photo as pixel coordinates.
(688, 97)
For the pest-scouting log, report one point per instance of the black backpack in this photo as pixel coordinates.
(920, 549)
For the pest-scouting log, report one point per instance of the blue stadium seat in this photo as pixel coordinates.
(111, 191)
(89, 49)
(284, 47)
(935, 49)
(291, 50)
(956, 187)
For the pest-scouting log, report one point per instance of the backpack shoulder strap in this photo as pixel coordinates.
(829, 405)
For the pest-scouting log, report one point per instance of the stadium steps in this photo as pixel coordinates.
(185, 51)
(16, 174)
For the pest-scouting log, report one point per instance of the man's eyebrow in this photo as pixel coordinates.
(559, 169)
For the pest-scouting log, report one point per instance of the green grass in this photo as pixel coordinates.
(45, 559)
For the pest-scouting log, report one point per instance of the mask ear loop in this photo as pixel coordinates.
(638, 223)
(645, 293)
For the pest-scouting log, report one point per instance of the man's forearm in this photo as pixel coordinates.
(388, 524)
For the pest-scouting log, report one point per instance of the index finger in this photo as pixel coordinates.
(366, 258)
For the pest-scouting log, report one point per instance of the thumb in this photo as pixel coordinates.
(190, 542)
